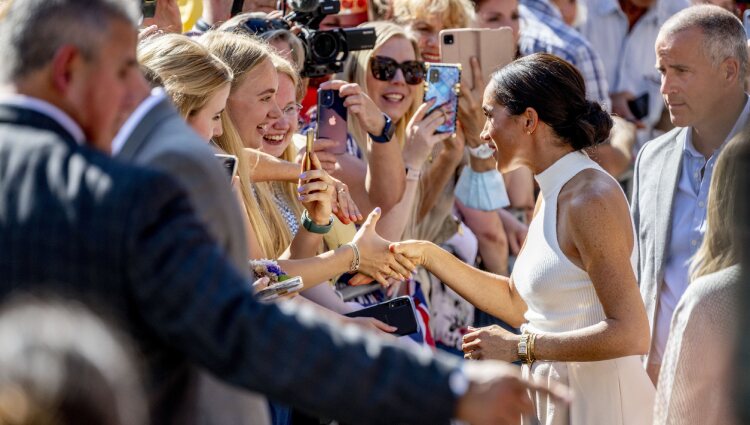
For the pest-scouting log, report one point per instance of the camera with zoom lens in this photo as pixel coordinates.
(325, 51)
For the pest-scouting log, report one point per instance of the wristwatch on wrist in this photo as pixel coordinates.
(482, 151)
(523, 349)
(314, 227)
(388, 130)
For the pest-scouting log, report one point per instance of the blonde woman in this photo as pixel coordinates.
(197, 82)
(252, 108)
(700, 349)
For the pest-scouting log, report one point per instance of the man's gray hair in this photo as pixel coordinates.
(31, 31)
(723, 34)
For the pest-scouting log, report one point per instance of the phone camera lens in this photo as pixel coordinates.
(448, 39)
(434, 76)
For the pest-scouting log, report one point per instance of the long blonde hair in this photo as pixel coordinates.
(358, 65)
(243, 54)
(288, 190)
(189, 73)
(721, 243)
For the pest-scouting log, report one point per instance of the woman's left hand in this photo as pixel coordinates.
(359, 104)
(316, 193)
(344, 206)
(491, 342)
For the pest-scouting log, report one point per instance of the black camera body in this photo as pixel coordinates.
(325, 51)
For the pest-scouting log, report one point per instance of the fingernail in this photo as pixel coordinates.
(299, 189)
(377, 210)
(303, 175)
(301, 198)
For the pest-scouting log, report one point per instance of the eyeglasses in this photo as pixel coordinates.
(291, 111)
(384, 69)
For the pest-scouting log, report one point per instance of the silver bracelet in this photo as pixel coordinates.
(355, 261)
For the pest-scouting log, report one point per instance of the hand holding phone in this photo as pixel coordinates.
(280, 289)
(398, 312)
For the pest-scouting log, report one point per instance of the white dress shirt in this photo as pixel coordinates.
(45, 108)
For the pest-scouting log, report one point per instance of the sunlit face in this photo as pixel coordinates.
(207, 120)
(499, 13)
(266, 6)
(504, 130)
(693, 89)
(280, 131)
(393, 97)
(252, 104)
(96, 91)
(428, 34)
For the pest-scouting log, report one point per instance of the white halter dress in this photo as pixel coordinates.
(561, 297)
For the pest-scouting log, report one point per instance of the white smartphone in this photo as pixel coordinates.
(280, 289)
(230, 164)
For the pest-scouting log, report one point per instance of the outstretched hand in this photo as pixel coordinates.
(376, 260)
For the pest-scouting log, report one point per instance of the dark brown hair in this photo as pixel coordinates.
(556, 90)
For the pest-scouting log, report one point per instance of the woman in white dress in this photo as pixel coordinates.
(573, 290)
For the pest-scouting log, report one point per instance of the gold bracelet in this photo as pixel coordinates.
(532, 341)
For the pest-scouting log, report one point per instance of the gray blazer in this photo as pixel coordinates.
(657, 170)
(162, 141)
(126, 240)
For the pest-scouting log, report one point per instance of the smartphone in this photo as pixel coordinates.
(746, 22)
(398, 312)
(280, 289)
(332, 120)
(443, 83)
(494, 48)
(148, 8)
(229, 162)
(639, 106)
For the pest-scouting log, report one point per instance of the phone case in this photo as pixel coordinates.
(332, 119)
(280, 289)
(443, 83)
(398, 312)
(494, 48)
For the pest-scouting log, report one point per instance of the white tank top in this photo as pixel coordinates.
(560, 295)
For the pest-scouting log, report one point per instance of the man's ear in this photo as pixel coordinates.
(730, 70)
(66, 62)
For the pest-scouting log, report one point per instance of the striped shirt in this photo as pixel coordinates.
(543, 30)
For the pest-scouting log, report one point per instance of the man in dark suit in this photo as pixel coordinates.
(127, 240)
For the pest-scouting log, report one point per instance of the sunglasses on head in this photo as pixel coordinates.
(384, 69)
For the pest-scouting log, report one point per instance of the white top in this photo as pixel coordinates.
(48, 109)
(560, 295)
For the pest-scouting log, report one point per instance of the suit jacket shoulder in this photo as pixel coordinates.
(163, 141)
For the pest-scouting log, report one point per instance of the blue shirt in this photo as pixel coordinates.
(688, 226)
(543, 30)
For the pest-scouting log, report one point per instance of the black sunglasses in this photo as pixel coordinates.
(384, 69)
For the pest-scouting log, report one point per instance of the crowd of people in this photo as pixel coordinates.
(572, 250)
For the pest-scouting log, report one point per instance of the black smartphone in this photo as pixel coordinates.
(639, 106)
(398, 312)
(229, 162)
(332, 117)
(148, 8)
